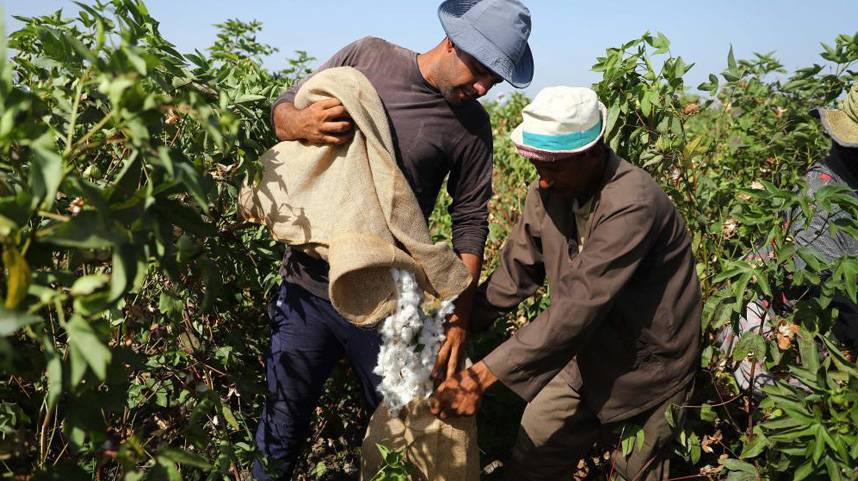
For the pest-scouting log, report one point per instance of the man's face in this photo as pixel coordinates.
(575, 175)
(461, 78)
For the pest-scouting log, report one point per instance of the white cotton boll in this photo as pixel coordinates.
(405, 372)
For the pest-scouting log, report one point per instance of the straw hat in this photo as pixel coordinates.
(560, 121)
(842, 124)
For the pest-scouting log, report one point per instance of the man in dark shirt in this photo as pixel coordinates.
(620, 340)
(439, 130)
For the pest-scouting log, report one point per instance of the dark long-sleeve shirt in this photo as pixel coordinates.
(623, 325)
(432, 139)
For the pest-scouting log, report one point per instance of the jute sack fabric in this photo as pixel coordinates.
(351, 206)
(440, 450)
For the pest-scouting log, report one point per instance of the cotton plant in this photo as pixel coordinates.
(411, 339)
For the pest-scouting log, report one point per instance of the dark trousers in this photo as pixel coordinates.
(308, 337)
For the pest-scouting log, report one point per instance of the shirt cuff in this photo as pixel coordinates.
(470, 241)
(526, 384)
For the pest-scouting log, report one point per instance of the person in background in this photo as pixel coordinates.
(839, 168)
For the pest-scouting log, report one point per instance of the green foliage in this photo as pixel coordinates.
(394, 466)
(134, 298)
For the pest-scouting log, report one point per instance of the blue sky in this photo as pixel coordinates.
(567, 35)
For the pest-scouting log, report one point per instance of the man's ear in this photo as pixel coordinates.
(448, 45)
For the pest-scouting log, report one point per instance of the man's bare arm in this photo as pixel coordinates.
(324, 122)
(456, 327)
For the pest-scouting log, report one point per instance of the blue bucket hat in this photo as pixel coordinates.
(494, 32)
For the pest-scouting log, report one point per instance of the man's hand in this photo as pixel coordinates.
(456, 327)
(460, 394)
(324, 122)
(450, 353)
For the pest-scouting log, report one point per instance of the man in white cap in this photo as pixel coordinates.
(440, 131)
(619, 342)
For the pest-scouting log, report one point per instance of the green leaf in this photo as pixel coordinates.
(707, 414)
(842, 363)
(319, 470)
(181, 456)
(808, 351)
(834, 470)
(17, 276)
(803, 471)
(84, 338)
(691, 148)
(811, 258)
(128, 180)
(87, 230)
(640, 438)
(750, 343)
(46, 171)
(170, 306)
(613, 115)
(88, 284)
(54, 372)
(114, 88)
(229, 417)
(738, 465)
(646, 103)
(384, 451)
(5, 74)
(763, 281)
(632, 436)
(136, 60)
(731, 60)
(818, 444)
(80, 48)
(755, 447)
(12, 320)
(739, 288)
(124, 270)
(193, 181)
(248, 98)
(166, 160)
(661, 43)
(848, 271)
(668, 416)
(77, 365)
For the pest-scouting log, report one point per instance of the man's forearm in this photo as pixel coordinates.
(287, 122)
(465, 302)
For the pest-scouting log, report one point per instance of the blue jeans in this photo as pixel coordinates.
(308, 337)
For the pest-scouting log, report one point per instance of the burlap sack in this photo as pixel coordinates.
(351, 206)
(440, 450)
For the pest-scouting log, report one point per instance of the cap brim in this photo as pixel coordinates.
(517, 136)
(838, 126)
(466, 37)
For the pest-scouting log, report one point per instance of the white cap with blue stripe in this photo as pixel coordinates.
(560, 121)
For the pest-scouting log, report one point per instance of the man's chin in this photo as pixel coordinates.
(565, 191)
(457, 98)
(454, 99)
